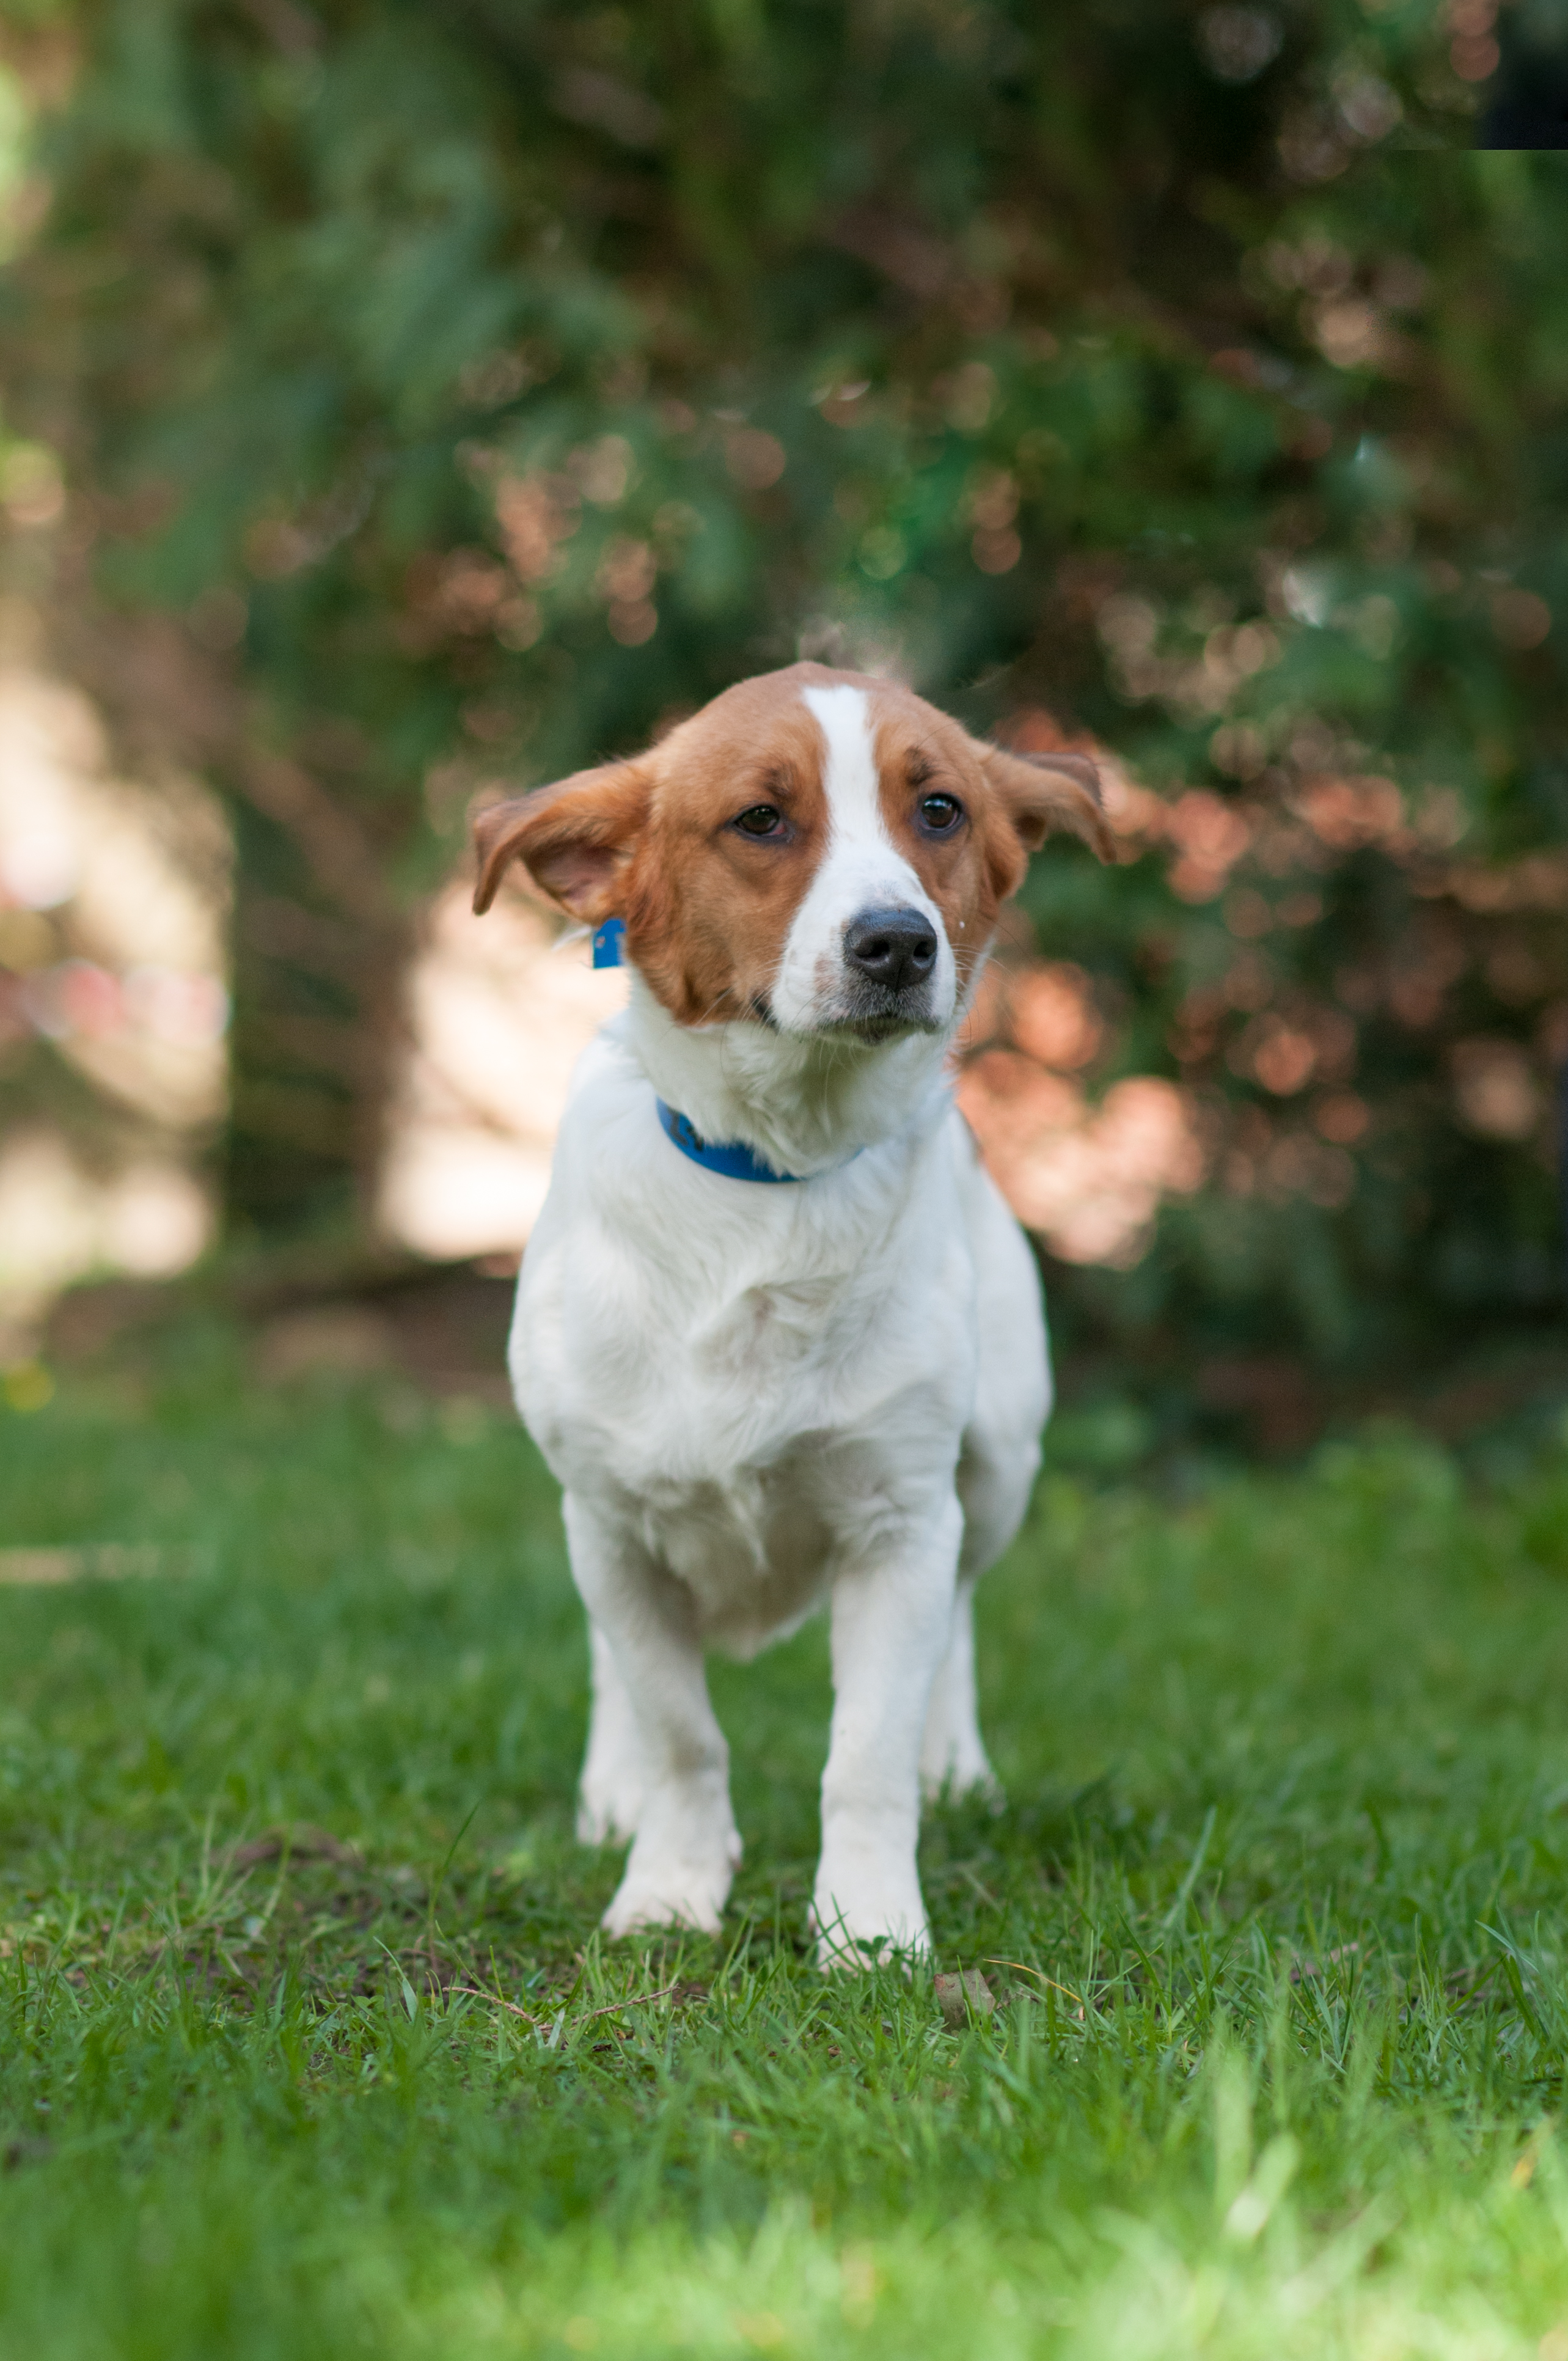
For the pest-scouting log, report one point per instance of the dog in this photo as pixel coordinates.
(777, 1335)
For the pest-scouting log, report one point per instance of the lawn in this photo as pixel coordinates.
(311, 2047)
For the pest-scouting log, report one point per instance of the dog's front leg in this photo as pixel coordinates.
(683, 1854)
(609, 1793)
(953, 1759)
(891, 1618)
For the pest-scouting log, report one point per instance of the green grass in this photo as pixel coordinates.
(1276, 2071)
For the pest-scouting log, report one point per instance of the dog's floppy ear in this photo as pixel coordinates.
(575, 838)
(1041, 793)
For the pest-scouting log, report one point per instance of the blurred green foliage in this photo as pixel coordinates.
(479, 386)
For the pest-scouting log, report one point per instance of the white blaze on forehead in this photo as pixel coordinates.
(850, 776)
(860, 868)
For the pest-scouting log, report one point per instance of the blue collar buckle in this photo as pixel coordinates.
(606, 943)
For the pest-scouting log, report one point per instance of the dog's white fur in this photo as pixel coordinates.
(761, 1398)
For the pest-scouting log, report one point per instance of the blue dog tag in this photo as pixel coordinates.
(607, 942)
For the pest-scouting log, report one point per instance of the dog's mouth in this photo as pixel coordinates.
(873, 1030)
(870, 1029)
(874, 1014)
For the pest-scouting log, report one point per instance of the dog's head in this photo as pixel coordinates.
(814, 851)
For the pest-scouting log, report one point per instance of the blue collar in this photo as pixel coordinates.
(733, 1158)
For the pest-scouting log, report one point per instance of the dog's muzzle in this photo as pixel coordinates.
(890, 958)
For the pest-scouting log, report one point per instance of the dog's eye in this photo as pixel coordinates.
(941, 812)
(762, 819)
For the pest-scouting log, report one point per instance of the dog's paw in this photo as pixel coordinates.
(679, 1898)
(953, 1759)
(841, 1954)
(637, 1910)
(608, 1811)
(962, 1780)
(681, 1880)
(871, 1931)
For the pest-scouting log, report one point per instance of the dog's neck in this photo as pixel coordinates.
(802, 1105)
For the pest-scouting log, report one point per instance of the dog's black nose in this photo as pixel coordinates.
(893, 947)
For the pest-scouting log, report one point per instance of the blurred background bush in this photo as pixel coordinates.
(405, 403)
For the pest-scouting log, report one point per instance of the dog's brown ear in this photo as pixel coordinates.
(575, 838)
(1042, 793)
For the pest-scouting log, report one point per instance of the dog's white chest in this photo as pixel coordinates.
(750, 1393)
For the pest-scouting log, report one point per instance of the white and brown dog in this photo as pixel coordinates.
(777, 1335)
